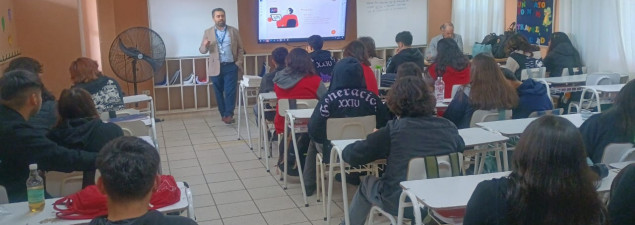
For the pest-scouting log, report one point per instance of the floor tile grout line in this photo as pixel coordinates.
(203, 175)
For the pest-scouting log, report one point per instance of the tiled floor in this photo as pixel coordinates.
(229, 183)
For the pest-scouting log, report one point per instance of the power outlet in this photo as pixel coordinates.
(145, 92)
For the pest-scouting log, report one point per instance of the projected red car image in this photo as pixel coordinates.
(287, 21)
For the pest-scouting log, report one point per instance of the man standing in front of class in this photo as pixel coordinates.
(225, 60)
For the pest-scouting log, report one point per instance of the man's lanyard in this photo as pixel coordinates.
(220, 41)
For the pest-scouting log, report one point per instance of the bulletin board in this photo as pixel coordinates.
(535, 20)
(8, 34)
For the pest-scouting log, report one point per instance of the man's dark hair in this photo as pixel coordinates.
(316, 42)
(410, 97)
(32, 66)
(128, 166)
(25, 63)
(17, 85)
(218, 10)
(279, 55)
(408, 69)
(404, 37)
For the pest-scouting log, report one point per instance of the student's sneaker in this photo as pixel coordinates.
(189, 80)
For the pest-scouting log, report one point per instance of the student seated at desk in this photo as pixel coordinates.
(405, 69)
(615, 125)
(415, 133)
(129, 168)
(487, 90)
(561, 54)
(80, 127)
(46, 118)
(550, 182)
(322, 60)
(347, 97)
(106, 92)
(22, 144)
(357, 50)
(404, 53)
(297, 81)
(532, 96)
(621, 206)
(522, 55)
(369, 45)
(266, 85)
(451, 64)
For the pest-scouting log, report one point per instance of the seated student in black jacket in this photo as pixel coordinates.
(550, 182)
(347, 97)
(129, 169)
(266, 85)
(615, 125)
(415, 133)
(487, 90)
(561, 54)
(22, 144)
(404, 53)
(622, 204)
(323, 60)
(46, 118)
(80, 127)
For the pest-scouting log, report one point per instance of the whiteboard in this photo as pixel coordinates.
(383, 19)
(181, 24)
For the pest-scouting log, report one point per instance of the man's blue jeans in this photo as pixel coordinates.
(225, 88)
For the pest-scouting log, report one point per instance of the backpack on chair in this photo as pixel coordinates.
(303, 147)
(498, 48)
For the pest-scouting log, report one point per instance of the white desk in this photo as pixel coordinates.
(621, 165)
(263, 134)
(20, 214)
(573, 79)
(448, 196)
(290, 119)
(336, 153)
(471, 137)
(246, 89)
(444, 104)
(517, 126)
(151, 121)
(480, 139)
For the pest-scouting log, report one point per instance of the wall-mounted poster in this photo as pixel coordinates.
(535, 20)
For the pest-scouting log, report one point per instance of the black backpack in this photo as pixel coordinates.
(498, 49)
(303, 147)
(490, 39)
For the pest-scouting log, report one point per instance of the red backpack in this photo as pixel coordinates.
(90, 203)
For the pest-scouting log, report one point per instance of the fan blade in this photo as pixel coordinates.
(155, 65)
(132, 52)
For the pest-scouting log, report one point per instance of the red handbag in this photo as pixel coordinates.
(90, 203)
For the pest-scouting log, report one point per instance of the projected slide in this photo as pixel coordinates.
(296, 20)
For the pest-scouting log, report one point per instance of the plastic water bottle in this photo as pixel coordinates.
(439, 89)
(35, 190)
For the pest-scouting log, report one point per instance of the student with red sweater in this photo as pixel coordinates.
(297, 81)
(451, 64)
(357, 50)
